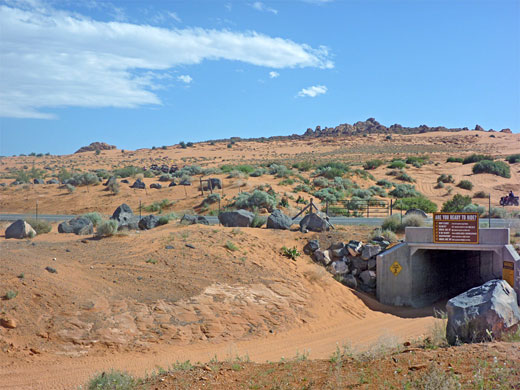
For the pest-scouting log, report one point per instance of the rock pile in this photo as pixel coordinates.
(352, 263)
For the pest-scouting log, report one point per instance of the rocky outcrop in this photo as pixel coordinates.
(315, 223)
(239, 218)
(194, 219)
(95, 146)
(78, 225)
(125, 218)
(157, 186)
(139, 184)
(278, 220)
(20, 229)
(148, 222)
(483, 312)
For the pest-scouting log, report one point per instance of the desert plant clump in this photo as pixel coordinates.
(397, 164)
(329, 194)
(465, 184)
(385, 183)
(303, 166)
(113, 380)
(279, 170)
(70, 188)
(10, 295)
(412, 220)
(94, 217)
(416, 202)
(320, 182)
(114, 187)
(256, 199)
(404, 191)
(392, 223)
(498, 168)
(211, 199)
(513, 158)
(40, 226)
(456, 204)
(231, 246)
(476, 158)
(332, 169)
(107, 228)
(291, 253)
(455, 159)
(372, 164)
(481, 195)
(444, 178)
(474, 208)
(258, 221)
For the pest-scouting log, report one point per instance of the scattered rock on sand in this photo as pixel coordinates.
(125, 217)
(148, 222)
(315, 223)
(482, 312)
(157, 186)
(139, 184)
(8, 322)
(78, 225)
(311, 247)
(238, 218)
(20, 229)
(194, 219)
(278, 220)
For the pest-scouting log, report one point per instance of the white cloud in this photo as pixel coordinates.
(174, 16)
(185, 78)
(259, 6)
(51, 58)
(313, 91)
(273, 74)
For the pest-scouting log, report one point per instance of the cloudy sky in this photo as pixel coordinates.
(144, 73)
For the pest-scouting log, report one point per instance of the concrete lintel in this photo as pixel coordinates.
(414, 247)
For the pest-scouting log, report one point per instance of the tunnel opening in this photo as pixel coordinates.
(444, 274)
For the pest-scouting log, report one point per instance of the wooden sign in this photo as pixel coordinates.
(455, 228)
(508, 272)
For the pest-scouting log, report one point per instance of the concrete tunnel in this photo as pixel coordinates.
(419, 272)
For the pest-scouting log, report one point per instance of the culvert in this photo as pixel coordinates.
(419, 272)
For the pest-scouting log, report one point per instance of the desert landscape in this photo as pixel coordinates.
(194, 305)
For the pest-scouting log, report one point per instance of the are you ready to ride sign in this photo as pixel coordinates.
(455, 228)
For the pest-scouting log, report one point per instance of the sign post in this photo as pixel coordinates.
(455, 228)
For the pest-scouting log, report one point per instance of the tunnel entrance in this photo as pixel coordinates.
(419, 272)
(444, 274)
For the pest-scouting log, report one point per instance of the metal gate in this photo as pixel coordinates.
(366, 208)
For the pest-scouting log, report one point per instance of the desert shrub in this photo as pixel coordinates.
(329, 194)
(456, 204)
(498, 168)
(303, 166)
(404, 191)
(258, 172)
(363, 174)
(113, 380)
(189, 170)
(417, 161)
(279, 170)
(231, 246)
(114, 187)
(379, 191)
(481, 195)
(332, 169)
(235, 174)
(148, 174)
(496, 212)
(412, 220)
(474, 208)
(389, 235)
(40, 226)
(211, 199)
(64, 175)
(465, 184)
(302, 188)
(514, 158)
(158, 206)
(258, 221)
(372, 164)
(70, 188)
(102, 173)
(163, 220)
(455, 159)
(256, 199)
(247, 169)
(444, 178)
(107, 228)
(384, 183)
(129, 171)
(10, 295)
(320, 182)
(21, 176)
(397, 164)
(435, 378)
(476, 158)
(94, 217)
(87, 178)
(416, 202)
(286, 182)
(392, 223)
(291, 253)
(343, 184)
(362, 194)
(403, 176)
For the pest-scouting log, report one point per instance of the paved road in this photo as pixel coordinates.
(334, 220)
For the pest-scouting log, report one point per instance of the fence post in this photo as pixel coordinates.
(368, 208)
(201, 188)
(391, 206)
(36, 210)
(489, 210)
(327, 207)
(140, 209)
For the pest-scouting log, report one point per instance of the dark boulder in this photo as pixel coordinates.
(125, 181)
(125, 217)
(164, 178)
(38, 181)
(185, 182)
(311, 247)
(172, 184)
(157, 186)
(138, 184)
(239, 218)
(78, 225)
(482, 312)
(215, 183)
(52, 181)
(315, 223)
(278, 220)
(148, 222)
(20, 229)
(416, 212)
(194, 219)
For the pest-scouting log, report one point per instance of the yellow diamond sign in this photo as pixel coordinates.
(395, 268)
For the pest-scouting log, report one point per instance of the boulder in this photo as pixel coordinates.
(369, 251)
(194, 219)
(239, 218)
(125, 181)
(19, 229)
(311, 247)
(38, 181)
(215, 183)
(358, 263)
(172, 184)
(368, 278)
(72, 181)
(78, 225)
(372, 264)
(337, 250)
(164, 178)
(339, 267)
(350, 281)
(185, 182)
(157, 186)
(148, 222)
(315, 223)
(416, 212)
(278, 220)
(322, 257)
(138, 184)
(5, 184)
(355, 247)
(125, 217)
(481, 312)
(52, 181)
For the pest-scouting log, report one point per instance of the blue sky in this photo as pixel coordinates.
(144, 73)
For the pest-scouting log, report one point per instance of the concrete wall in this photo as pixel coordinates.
(435, 271)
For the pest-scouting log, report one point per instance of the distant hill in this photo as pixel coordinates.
(95, 146)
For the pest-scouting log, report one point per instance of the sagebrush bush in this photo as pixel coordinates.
(279, 170)
(320, 182)
(70, 188)
(455, 159)
(417, 161)
(480, 195)
(258, 172)
(302, 188)
(397, 164)
(188, 170)
(114, 187)
(514, 158)
(416, 202)
(456, 204)
(39, 226)
(258, 221)
(498, 168)
(303, 166)
(476, 157)
(330, 194)
(474, 208)
(412, 220)
(465, 184)
(113, 380)
(444, 178)
(255, 200)
(404, 191)
(372, 164)
(385, 183)
(405, 177)
(94, 217)
(392, 223)
(107, 228)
